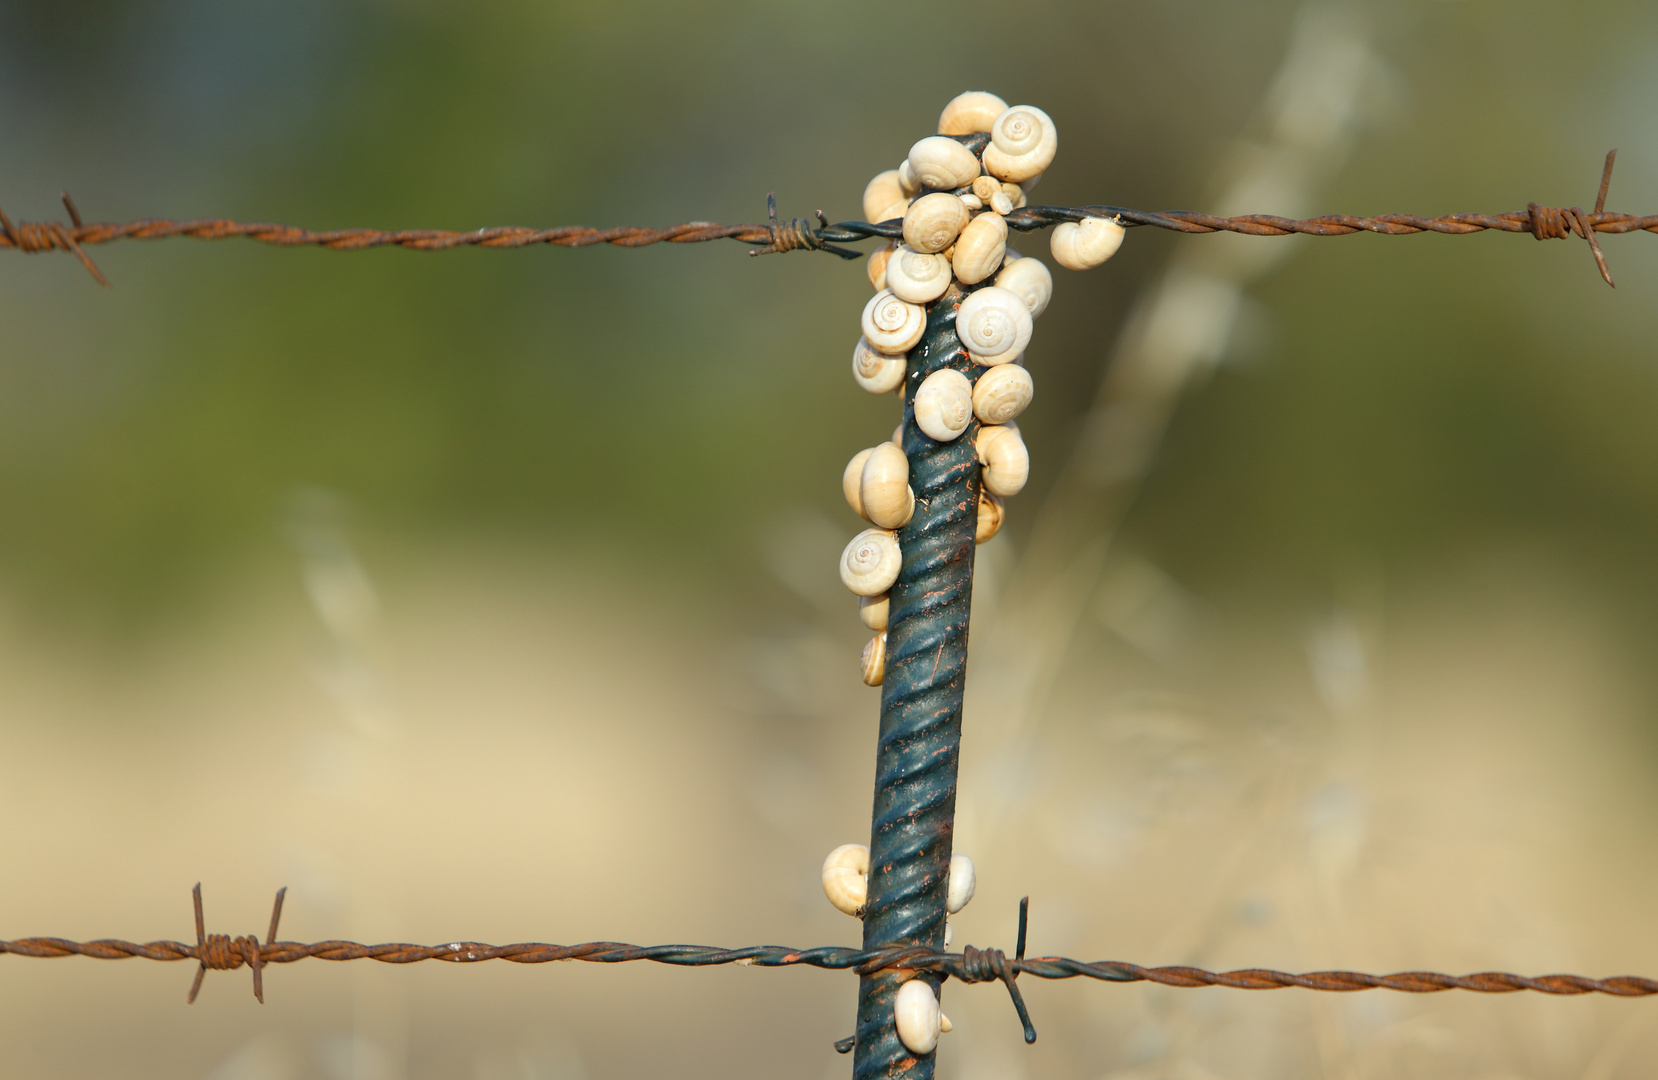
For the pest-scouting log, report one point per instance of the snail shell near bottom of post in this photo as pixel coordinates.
(1004, 457)
(992, 512)
(1002, 393)
(944, 404)
(915, 1013)
(1083, 245)
(874, 660)
(845, 878)
(963, 883)
(872, 610)
(870, 563)
(994, 324)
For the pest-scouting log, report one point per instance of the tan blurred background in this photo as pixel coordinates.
(490, 595)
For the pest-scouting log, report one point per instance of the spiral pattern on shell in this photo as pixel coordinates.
(1031, 279)
(870, 563)
(845, 878)
(933, 222)
(1002, 393)
(995, 325)
(892, 325)
(1023, 142)
(876, 371)
(943, 404)
(917, 277)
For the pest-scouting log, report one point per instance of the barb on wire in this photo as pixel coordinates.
(798, 234)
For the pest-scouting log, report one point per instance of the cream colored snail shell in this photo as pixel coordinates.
(844, 878)
(1029, 278)
(907, 180)
(943, 163)
(1001, 394)
(915, 1014)
(979, 249)
(944, 1025)
(884, 488)
(971, 201)
(895, 212)
(898, 435)
(987, 188)
(852, 481)
(872, 610)
(876, 371)
(963, 882)
(1004, 457)
(881, 193)
(933, 222)
(994, 324)
(892, 325)
(874, 660)
(870, 563)
(1083, 245)
(944, 404)
(1022, 143)
(916, 277)
(877, 267)
(1001, 204)
(992, 512)
(973, 111)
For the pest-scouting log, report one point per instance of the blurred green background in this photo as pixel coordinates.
(490, 594)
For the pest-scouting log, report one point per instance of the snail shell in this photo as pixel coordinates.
(1001, 394)
(878, 265)
(944, 1024)
(916, 277)
(980, 249)
(872, 610)
(942, 163)
(876, 371)
(1030, 279)
(992, 512)
(884, 487)
(971, 201)
(844, 881)
(870, 563)
(895, 212)
(933, 222)
(892, 325)
(994, 324)
(874, 660)
(898, 435)
(881, 193)
(915, 1013)
(973, 111)
(907, 179)
(1004, 457)
(852, 482)
(1001, 204)
(1022, 143)
(962, 883)
(944, 404)
(986, 188)
(1083, 245)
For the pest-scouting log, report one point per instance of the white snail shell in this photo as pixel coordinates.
(971, 201)
(1029, 278)
(898, 435)
(986, 188)
(917, 277)
(884, 488)
(870, 563)
(1083, 245)
(944, 1025)
(979, 249)
(872, 610)
(915, 1012)
(943, 163)
(962, 883)
(876, 371)
(1004, 457)
(907, 180)
(1001, 394)
(874, 660)
(892, 325)
(881, 193)
(994, 324)
(973, 111)
(1001, 204)
(894, 212)
(844, 878)
(944, 404)
(852, 482)
(933, 222)
(877, 267)
(1022, 143)
(992, 512)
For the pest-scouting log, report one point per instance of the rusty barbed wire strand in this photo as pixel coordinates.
(799, 234)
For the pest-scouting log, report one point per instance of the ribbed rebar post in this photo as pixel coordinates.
(920, 739)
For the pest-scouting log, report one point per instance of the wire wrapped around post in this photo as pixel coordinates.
(920, 734)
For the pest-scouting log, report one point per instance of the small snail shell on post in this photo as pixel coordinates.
(916, 277)
(874, 660)
(980, 249)
(1004, 457)
(907, 180)
(933, 222)
(844, 878)
(943, 163)
(1083, 245)
(878, 264)
(1001, 394)
(994, 324)
(892, 325)
(1030, 279)
(992, 512)
(876, 371)
(870, 563)
(852, 482)
(987, 188)
(1022, 143)
(962, 883)
(944, 404)
(1001, 204)
(915, 1014)
(884, 488)
(872, 610)
(881, 193)
(973, 111)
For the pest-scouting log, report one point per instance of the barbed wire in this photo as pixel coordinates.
(799, 234)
